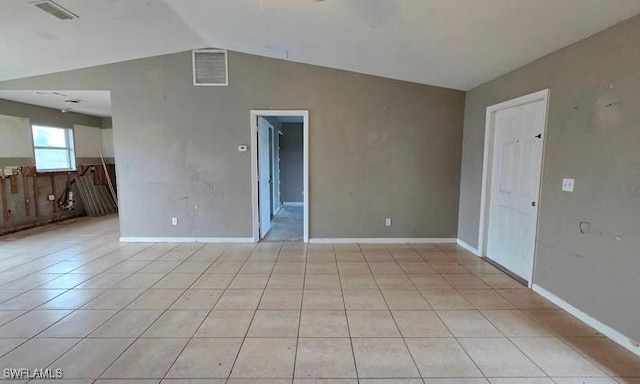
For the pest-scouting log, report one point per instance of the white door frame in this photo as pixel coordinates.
(265, 211)
(275, 170)
(254, 165)
(487, 165)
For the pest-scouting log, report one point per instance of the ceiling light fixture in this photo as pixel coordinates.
(55, 10)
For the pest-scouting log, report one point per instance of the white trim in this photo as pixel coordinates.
(254, 165)
(293, 204)
(389, 240)
(468, 247)
(275, 170)
(225, 240)
(70, 148)
(606, 330)
(186, 240)
(485, 197)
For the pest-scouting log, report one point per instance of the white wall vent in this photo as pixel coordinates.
(55, 10)
(210, 67)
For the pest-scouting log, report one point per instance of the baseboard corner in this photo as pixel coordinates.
(469, 248)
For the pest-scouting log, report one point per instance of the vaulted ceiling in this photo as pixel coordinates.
(451, 43)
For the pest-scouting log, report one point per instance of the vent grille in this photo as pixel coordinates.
(55, 10)
(210, 67)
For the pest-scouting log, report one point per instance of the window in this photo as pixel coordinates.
(53, 147)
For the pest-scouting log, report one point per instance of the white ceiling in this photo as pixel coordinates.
(451, 43)
(96, 103)
(33, 42)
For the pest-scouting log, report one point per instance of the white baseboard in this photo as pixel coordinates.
(186, 240)
(468, 247)
(225, 240)
(606, 330)
(389, 240)
(293, 204)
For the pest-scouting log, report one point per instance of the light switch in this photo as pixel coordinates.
(567, 185)
(242, 148)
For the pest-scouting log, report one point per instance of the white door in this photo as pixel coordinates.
(515, 186)
(264, 176)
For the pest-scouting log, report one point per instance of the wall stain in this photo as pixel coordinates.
(585, 227)
(209, 187)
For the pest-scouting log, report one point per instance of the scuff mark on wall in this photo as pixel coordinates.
(586, 228)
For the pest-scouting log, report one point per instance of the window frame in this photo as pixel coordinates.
(69, 148)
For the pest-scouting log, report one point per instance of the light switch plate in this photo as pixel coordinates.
(567, 185)
(242, 148)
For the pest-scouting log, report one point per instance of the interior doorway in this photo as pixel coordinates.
(514, 141)
(280, 175)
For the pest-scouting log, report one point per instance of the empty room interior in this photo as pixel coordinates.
(320, 191)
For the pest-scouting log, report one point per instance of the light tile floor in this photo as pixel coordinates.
(72, 297)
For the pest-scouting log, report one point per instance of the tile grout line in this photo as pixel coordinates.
(156, 319)
(203, 319)
(556, 335)
(134, 339)
(391, 314)
(43, 330)
(304, 282)
(51, 325)
(353, 353)
(52, 253)
(255, 310)
(498, 329)
(458, 342)
(30, 310)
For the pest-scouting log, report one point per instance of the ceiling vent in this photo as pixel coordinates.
(55, 10)
(210, 67)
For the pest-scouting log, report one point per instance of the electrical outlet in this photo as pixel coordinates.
(174, 221)
(387, 222)
(568, 185)
(52, 197)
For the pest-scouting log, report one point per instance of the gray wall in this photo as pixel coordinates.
(43, 116)
(593, 136)
(378, 147)
(291, 163)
